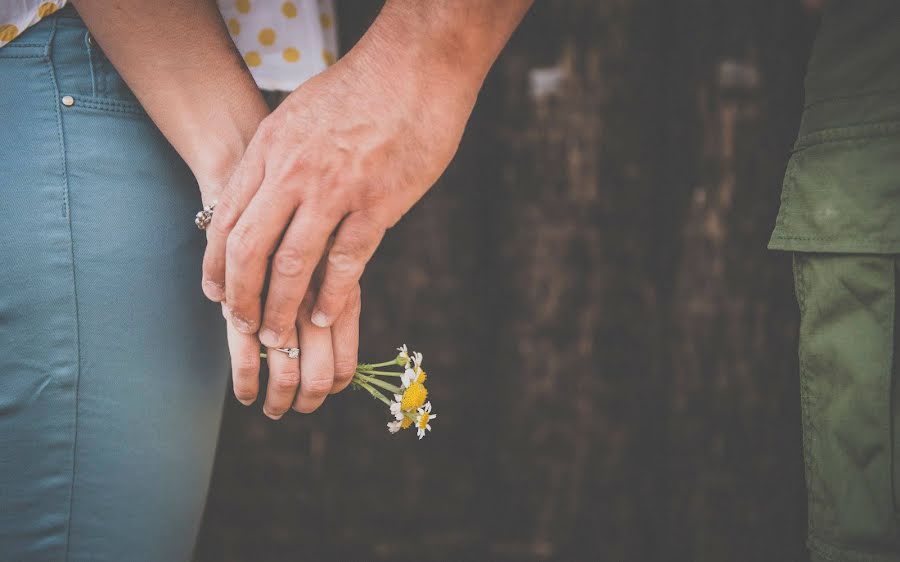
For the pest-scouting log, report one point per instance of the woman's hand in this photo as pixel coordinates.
(326, 364)
(351, 150)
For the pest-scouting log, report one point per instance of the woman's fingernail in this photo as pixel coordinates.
(275, 417)
(319, 319)
(213, 290)
(268, 337)
(246, 402)
(241, 323)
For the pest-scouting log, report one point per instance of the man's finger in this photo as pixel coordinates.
(316, 364)
(247, 251)
(345, 341)
(293, 265)
(357, 238)
(244, 351)
(244, 182)
(284, 378)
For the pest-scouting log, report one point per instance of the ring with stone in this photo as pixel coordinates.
(292, 352)
(204, 217)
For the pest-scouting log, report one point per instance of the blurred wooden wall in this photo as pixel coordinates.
(610, 348)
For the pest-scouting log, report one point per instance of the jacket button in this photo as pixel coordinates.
(68, 101)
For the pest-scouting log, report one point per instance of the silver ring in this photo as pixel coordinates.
(292, 352)
(204, 217)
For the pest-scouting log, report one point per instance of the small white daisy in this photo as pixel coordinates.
(403, 357)
(424, 416)
(416, 359)
(395, 407)
(408, 377)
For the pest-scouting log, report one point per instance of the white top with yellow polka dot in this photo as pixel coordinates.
(18, 15)
(283, 43)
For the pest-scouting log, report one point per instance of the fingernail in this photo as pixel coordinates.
(241, 323)
(268, 337)
(247, 402)
(213, 291)
(275, 417)
(319, 319)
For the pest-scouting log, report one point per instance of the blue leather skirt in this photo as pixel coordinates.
(113, 366)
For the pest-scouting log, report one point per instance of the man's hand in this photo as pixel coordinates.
(347, 147)
(351, 150)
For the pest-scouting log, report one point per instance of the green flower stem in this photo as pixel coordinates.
(362, 367)
(378, 382)
(385, 364)
(382, 373)
(374, 392)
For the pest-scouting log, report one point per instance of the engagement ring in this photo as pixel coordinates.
(292, 352)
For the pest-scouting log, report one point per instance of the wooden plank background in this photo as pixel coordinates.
(610, 348)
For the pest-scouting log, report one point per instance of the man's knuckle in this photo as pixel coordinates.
(241, 244)
(290, 262)
(376, 194)
(345, 260)
(370, 223)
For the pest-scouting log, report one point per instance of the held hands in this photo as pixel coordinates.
(329, 359)
(345, 155)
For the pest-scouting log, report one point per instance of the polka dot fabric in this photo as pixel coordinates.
(284, 43)
(18, 15)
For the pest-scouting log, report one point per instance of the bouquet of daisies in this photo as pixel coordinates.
(410, 406)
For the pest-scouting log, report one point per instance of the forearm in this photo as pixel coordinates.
(181, 64)
(452, 43)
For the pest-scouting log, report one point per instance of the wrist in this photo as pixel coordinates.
(451, 45)
(411, 53)
(212, 149)
(213, 164)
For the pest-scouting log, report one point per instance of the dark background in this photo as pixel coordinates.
(611, 350)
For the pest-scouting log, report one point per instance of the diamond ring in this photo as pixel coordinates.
(292, 352)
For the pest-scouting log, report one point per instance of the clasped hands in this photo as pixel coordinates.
(325, 175)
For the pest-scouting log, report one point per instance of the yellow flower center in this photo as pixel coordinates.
(422, 376)
(423, 421)
(414, 397)
(406, 422)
